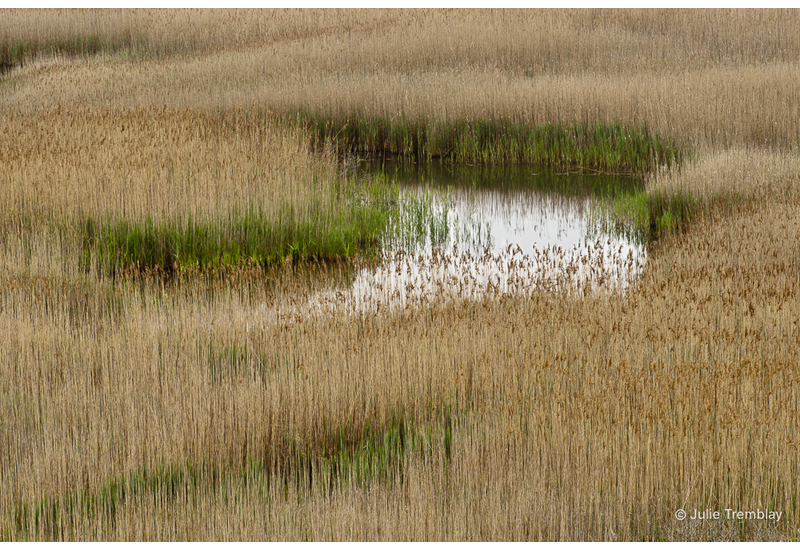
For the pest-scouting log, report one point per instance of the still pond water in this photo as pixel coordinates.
(493, 231)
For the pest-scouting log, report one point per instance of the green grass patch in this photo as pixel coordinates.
(373, 215)
(342, 458)
(355, 226)
(602, 147)
(640, 216)
(15, 54)
(58, 518)
(420, 220)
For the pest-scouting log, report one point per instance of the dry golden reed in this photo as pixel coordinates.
(146, 408)
(732, 173)
(592, 417)
(162, 164)
(714, 78)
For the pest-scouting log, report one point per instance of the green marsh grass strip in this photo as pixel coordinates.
(54, 518)
(15, 54)
(602, 147)
(339, 459)
(243, 237)
(373, 216)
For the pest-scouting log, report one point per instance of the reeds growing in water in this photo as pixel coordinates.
(232, 403)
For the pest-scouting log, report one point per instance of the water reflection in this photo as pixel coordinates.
(492, 232)
(496, 207)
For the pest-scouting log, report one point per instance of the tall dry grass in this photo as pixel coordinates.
(215, 407)
(535, 40)
(736, 173)
(714, 78)
(157, 163)
(548, 417)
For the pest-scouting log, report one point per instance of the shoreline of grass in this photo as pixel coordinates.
(643, 217)
(373, 216)
(249, 237)
(369, 216)
(599, 147)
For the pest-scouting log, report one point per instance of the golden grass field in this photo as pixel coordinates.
(211, 405)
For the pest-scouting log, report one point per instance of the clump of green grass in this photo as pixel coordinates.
(245, 237)
(603, 147)
(11, 56)
(420, 219)
(374, 215)
(378, 453)
(640, 216)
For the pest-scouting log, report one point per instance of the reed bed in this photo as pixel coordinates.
(608, 148)
(569, 416)
(180, 189)
(699, 80)
(152, 162)
(227, 403)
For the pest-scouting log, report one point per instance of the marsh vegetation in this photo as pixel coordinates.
(202, 338)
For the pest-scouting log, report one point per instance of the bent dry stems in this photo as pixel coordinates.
(404, 281)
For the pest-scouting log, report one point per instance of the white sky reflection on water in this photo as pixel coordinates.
(537, 239)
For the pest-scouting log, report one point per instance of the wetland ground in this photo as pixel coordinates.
(201, 339)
